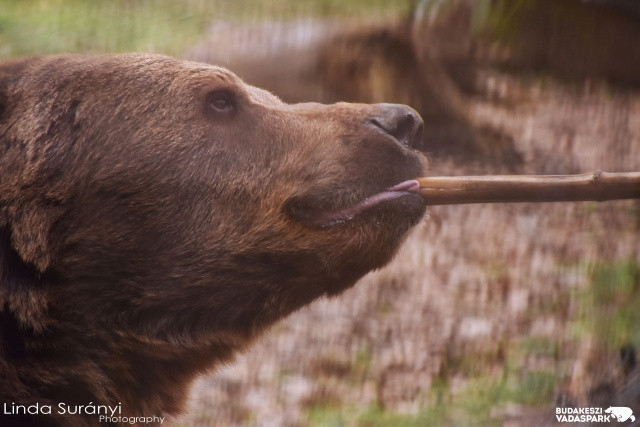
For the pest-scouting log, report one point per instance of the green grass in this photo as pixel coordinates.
(539, 346)
(493, 380)
(30, 27)
(372, 416)
(610, 308)
(473, 405)
(501, 18)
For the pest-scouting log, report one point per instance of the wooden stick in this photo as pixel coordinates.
(597, 186)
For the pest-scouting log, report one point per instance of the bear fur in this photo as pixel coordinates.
(156, 215)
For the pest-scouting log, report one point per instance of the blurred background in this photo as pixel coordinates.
(489, 315)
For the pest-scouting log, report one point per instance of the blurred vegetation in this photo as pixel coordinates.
(29, 27)
(570, 39)
(479, 403)
(502, 18)
(564, 38)
(610, 309)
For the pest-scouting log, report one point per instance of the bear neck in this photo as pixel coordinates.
(96, 366)
(68, 356)
(59, 348)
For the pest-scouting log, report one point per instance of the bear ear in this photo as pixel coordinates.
(23, 297)
(24, 228)
(4, 98)
(4, 93)
(10, 72)
(15, 67)
(15, 274)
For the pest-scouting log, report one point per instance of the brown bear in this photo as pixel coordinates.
(156, 215)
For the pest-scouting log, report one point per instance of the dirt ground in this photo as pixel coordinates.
(490, 314)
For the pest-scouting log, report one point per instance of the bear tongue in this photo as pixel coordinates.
(410, 186)
(402, 189)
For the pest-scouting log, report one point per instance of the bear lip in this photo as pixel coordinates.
(409, 187)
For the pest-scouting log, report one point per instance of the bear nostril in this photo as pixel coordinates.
(405, 130)
(401, 122)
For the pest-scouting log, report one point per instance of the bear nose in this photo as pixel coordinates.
(401, 122)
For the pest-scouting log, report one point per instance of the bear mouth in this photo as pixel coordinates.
(401, 198)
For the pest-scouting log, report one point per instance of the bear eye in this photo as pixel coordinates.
(220, 101)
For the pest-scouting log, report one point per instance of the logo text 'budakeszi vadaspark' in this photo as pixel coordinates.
(594, 415)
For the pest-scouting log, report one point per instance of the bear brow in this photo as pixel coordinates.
(218, 73)
(264, 97)
(224, 75)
